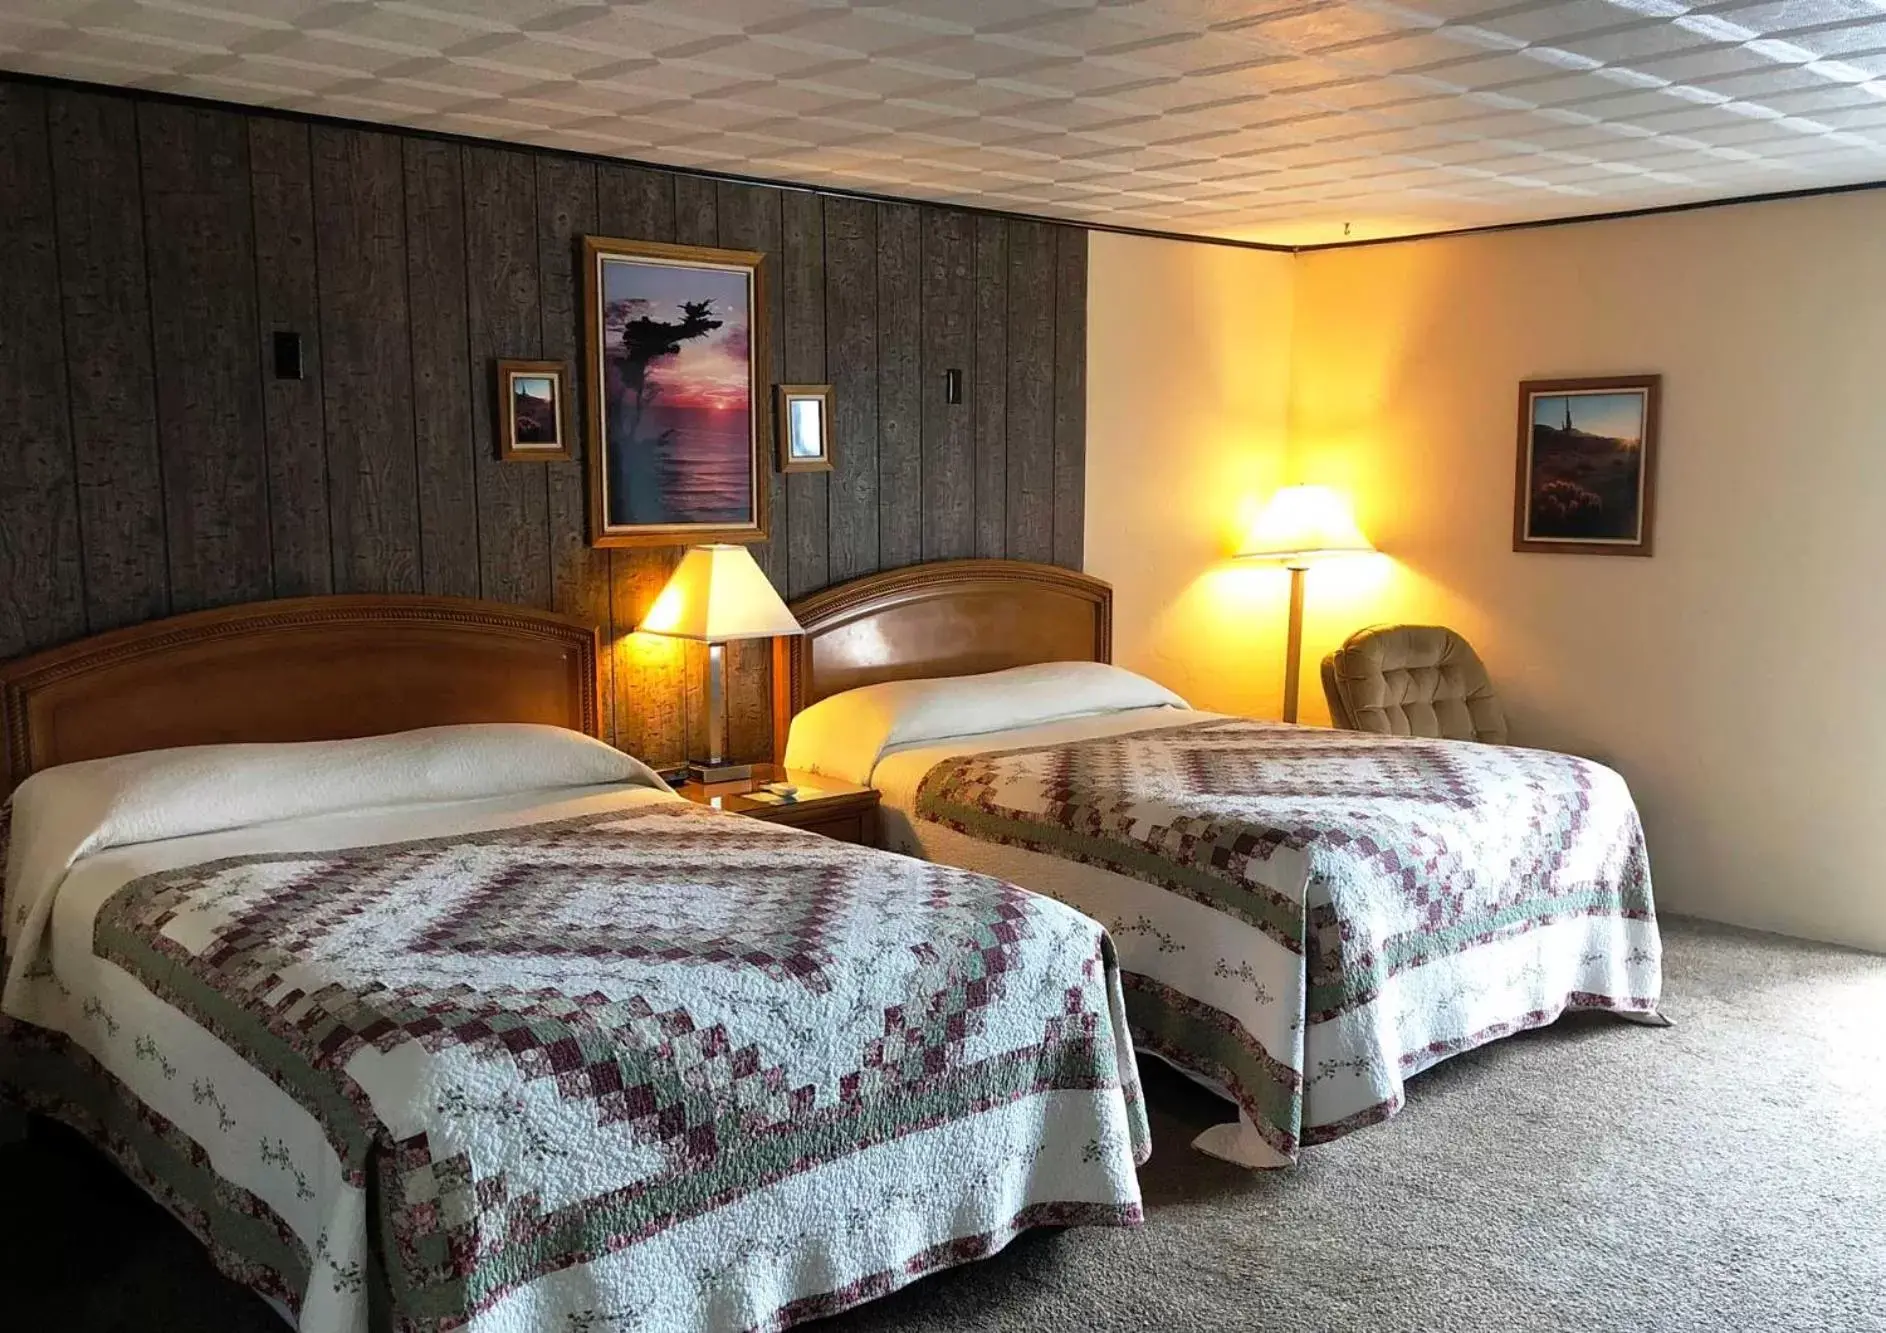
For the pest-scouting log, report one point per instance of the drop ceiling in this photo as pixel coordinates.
(1282, 123)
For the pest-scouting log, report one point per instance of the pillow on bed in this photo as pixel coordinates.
(73, 810)
(845, 736)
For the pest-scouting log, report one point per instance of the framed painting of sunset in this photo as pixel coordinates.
(1587, 466)
(674, 346)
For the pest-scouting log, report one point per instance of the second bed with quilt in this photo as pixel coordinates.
(1305, 918)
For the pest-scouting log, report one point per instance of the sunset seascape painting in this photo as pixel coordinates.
(674, 360)
(1586, 450)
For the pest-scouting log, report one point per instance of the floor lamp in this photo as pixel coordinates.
(1301, 525)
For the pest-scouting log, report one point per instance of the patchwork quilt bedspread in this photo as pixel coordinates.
(1307, 917)
(641, 1066)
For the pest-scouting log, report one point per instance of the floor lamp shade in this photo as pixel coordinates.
(1301, 525)
(718, 594)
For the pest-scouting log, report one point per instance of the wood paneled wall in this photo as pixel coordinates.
(151, 463)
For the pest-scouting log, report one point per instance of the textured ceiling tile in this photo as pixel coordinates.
(409, 28)
(857, 30)
(1087, 78)
(1783, 15)
(1763, 85)
(1398, 55)
(1558, 21)
(1321, 27)
(1284, 120)
(1845, 41)
(1705, 64)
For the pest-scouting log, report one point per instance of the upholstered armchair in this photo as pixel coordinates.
(1412, 680)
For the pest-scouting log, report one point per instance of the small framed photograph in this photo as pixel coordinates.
(805, 427)
(1587, 465)
(531, 426)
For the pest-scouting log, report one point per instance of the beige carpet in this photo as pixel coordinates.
(1725, 1174)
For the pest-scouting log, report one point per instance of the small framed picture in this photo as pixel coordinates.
(531, 425)
(805, 427)
(1587, 466)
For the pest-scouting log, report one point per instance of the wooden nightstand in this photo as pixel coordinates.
(825, 805)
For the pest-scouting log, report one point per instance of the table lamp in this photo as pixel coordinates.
(1300, 525)
(715, 595)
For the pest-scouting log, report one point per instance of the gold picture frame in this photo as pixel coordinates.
(675, 353)
(802, 416)
(533, 418)
(1586, 478)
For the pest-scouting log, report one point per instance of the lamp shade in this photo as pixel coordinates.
(1304, 523)
(717, 593)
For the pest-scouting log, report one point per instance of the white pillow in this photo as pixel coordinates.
(74, 810)
(845, 736)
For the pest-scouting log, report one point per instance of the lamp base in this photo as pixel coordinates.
(703, 772)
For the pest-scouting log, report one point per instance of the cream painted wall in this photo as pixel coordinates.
(1188, 373)
(1732, 677)
(1735, 677)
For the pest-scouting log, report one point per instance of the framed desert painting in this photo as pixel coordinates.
(673, 356)
(1587, 465)
(530, 412)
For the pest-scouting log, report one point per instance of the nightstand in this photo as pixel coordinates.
(825, 805)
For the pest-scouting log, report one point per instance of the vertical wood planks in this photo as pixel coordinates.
(149, 250)
(505, 320)
(1070, 394)
(42, 594)
(900, 392)
(107, 337)
(949, 438)
(851, 358)
(802, 298)
(697, 222)
(633, 203)
(366, 355)
(989, 387)
(749, 219)
(199, 245)
(1030, 518)
(443, 383)
(281, 189)
(579, 575)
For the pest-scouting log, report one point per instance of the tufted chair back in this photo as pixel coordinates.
(1412, 680)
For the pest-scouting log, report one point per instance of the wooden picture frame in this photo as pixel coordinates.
(802, 417)
(533, 425)
(675, 355)
(1586, 475)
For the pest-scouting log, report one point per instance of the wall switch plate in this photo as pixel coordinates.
(287, 355)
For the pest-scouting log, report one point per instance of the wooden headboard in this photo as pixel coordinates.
(949, 618)
(298, 669)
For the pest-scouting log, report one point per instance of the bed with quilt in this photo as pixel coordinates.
(1305, 918)
(482, 1027)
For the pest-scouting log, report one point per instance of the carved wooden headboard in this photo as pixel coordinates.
(299, 669)
(949, 618)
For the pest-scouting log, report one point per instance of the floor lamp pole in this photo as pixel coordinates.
(1293, 647)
